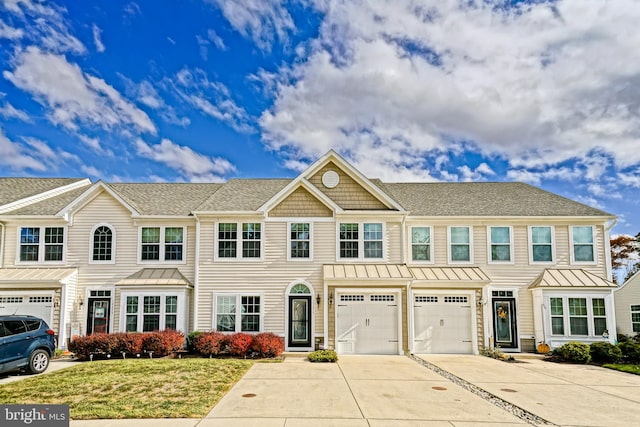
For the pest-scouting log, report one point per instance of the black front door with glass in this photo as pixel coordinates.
(98, 316)
(299, 321)
(504, 322)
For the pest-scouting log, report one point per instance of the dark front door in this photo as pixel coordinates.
(98, 316)
(505, 330)
(299, 321)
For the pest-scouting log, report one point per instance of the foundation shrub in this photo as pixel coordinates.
(630, 351)
(162, 343)
(267, 345)
(96, 344)
(128, 343)
(575, 352)
(210, 343)
(329, 356)
(191, 338)
(605, 352)
(239, 344)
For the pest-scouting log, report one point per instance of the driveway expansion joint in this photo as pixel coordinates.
(517, 411)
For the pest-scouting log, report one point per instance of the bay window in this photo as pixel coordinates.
(580, 316)
(149, 312)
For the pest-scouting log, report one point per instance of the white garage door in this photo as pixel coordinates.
(33, 305)
(367, 323)
(442, 324)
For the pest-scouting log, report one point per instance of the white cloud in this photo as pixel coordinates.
(90, 171)
(631, 179)
(195, 166)
(72, 96)
(97, 38)
(8, 111)
(18, 157)
(7, 32)
(263, 21)
(210, 98)
(216, 39)
(480, 173)
(537, 84)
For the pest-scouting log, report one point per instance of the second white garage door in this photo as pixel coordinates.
(367, 323)
(442, 324)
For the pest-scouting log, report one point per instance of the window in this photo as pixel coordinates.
(578, 316)
(583, 250)
(300, 241)
(421, 243)
(460, 244)
(238, 313)
(35, 248)
(146, 313)
(372, 240)
(599, 316)
(102, 247)
(557, 316)
(500, 242)
(541, 244)
(367, 244)
(635, 318)
(162, 244)
(581, 316)
(249, 240)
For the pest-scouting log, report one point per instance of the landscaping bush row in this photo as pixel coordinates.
(158, 343)
(237, 345)
(600, 352)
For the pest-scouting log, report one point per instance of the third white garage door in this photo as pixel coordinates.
(442, 324)
(367, 323)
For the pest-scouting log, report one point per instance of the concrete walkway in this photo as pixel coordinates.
(54, 365)
(564, 394)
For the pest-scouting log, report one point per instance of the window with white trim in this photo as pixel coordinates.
(541, 238)
(41, 244)
(583, 247)
(500, 244)
(162, 244)
(635, 318)
(238, 313)
(246, 244)
(578, 316)
(147, 313)
(102, 244)
(421, 244)
(367, 244)
(460, 244)
(300, 240)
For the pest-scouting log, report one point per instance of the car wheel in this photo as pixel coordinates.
(38, 361)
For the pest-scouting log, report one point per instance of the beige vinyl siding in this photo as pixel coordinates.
(105, 209)
(394, 242)
(625, 297)
(268, 277)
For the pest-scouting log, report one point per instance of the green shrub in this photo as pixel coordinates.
(191, 338)
(623, 338)
(630, 351)
(605, 352)
(576, 352)
(323, 356)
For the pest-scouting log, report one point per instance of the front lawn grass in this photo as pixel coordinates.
(631, 369)
(132, 388)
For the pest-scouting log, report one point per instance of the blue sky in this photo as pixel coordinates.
(544, 92)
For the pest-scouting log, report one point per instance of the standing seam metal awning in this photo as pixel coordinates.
(36, 275)
(155, 276)
(570, 278)
(470, 275)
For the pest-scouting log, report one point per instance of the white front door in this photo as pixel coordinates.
(367, 323)
(442, 324)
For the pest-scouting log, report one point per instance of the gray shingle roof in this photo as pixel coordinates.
(243, 194)
(50, 206)
(13, 189)
(165, 199)
(484, 199)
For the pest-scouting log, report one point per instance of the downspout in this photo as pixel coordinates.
(1, 244)
(196, 280)
(607, 248)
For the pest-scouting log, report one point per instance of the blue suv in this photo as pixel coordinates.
(26, 342)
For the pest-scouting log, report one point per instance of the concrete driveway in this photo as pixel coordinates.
(564, 394)
(54, 365)
(357, 391)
